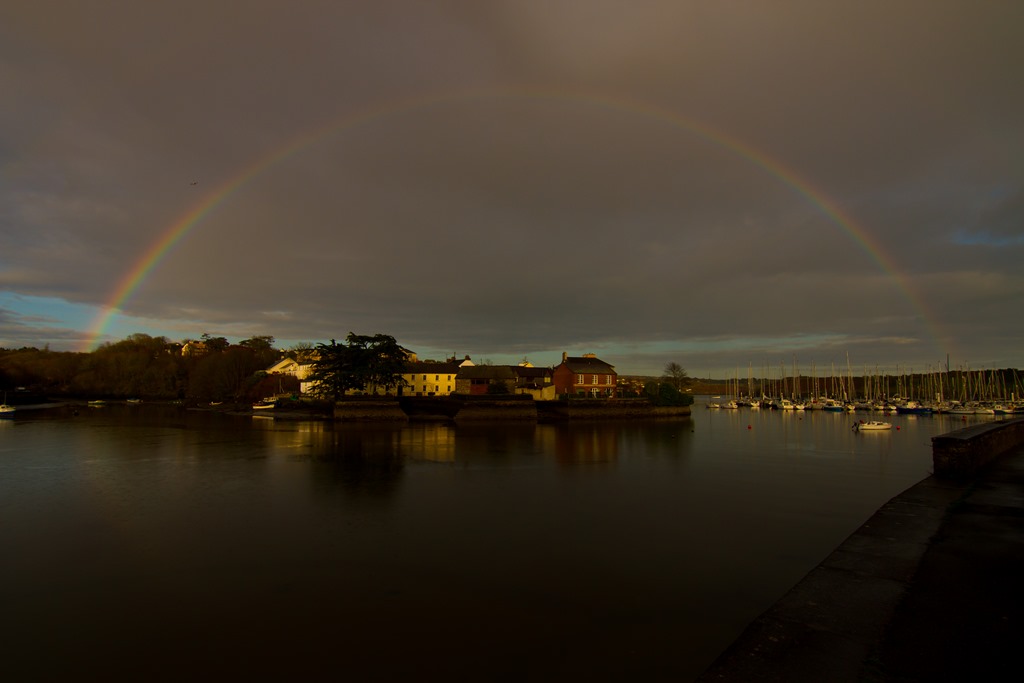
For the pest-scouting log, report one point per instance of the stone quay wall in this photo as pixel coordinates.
(369, 410)
(607, 409)
(494, 408)
(959, 455)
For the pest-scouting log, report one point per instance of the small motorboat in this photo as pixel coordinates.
(871, 426)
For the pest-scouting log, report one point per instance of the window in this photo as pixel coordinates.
(579, 379)
(595, 380)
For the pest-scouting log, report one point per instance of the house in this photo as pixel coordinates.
(429, 378)
(538, 382)
(585, 375)
(285, 366)
(485, 379)
(194, 348)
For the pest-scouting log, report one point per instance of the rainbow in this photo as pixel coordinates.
(180, 228)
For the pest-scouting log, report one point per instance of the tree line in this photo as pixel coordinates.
(142, 366)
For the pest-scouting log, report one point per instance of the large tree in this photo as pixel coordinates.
(676, 375)
(361, 363)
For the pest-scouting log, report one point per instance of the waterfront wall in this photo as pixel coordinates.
(497, 410)
(500, 408)
(960, 454)
(369, 410)
(610, 409)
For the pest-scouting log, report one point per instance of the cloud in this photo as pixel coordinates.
(526, 177)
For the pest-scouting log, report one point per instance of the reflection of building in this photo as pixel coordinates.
(578, 444)
(585, 375)
(431, 441)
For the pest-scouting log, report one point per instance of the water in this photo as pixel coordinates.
(153, 543)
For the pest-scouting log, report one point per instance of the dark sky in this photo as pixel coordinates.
(718, 184)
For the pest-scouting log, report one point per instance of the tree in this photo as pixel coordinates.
(676, 375)
(665, 394)
(258, 343)
(214, 343)
(361, 362)
(302, 352)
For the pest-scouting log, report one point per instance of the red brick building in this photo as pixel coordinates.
(585, 375)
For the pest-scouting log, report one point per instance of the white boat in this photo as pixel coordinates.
(786, 404)
(871, 426)
(6, 410)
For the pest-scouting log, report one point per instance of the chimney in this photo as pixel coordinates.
(565, 356)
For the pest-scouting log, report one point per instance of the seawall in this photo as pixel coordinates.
(921, 586)
(961, 454)
(458, 408)
(607, 409)
(369, 410)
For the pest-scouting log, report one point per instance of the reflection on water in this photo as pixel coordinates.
(157, 543)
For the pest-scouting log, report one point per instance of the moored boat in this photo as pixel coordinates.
(871, 426)
(913, 408)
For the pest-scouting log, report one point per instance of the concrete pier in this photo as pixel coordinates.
(931, 588)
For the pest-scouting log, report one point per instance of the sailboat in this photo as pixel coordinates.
(6, 410)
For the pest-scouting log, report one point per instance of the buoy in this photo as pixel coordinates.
(748, 426)
(897, 428)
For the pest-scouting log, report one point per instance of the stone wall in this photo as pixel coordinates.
(491, 408)
(497, 410)
(607, 409)
(369, 410)
(960, 454)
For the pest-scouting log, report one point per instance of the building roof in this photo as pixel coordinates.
(431, 367)
(503, 372)
(587, 364)
(281, 365)
(532, 372)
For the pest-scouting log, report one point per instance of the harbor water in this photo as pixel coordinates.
(156, 543)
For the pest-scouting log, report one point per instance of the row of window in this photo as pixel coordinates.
(594, 379)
